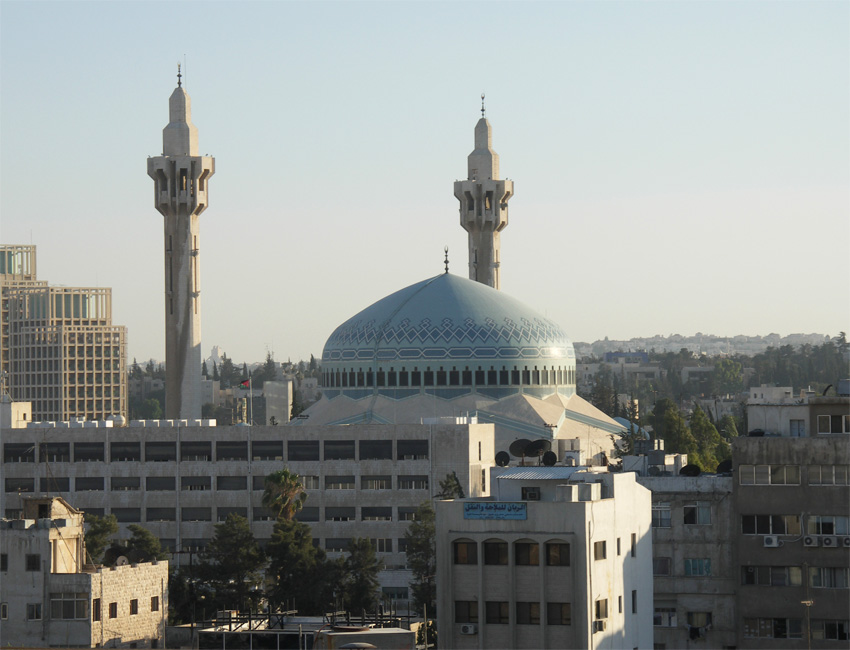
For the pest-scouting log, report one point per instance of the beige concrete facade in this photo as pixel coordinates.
(49, 596)
(484, 200)
(361, 480)
(568, 567)
(181, 194)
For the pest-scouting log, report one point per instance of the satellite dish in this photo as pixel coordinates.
(537, 448)
(654, 471)
(549, 458)
(725, 467)
(517, 447)
(690, 470)
(122, 561)
(503, 458)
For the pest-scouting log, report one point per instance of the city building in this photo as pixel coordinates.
(61, 351)
(51, 597)
(693, 565)
(181, 193)
(179, 481)
(559, 557)
(483, 198)
(792, 535)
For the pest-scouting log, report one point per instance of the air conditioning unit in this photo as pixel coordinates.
(771, 541)
(830, 542)
(469, 628)
(811, 540)
(599, 626)
(845, 542)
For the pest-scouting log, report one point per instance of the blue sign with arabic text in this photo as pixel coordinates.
(494, 510)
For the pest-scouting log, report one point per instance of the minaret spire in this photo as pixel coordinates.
(484, 205)
(181, 194)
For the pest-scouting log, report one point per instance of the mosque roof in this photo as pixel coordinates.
(449, 318)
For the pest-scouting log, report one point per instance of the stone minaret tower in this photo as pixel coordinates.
(484, 206)
(181, 179)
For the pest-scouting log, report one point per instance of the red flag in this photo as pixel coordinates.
(246, 383)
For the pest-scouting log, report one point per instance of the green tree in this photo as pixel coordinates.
(204, 372)
(361, 580)
(143, 542)
(98, 532)
(231, 564)
(150, 409)
(420, 538)
(135, 370)
(727, 427)
(678, 438)
(708, 441)
(284, 494)
(659, 412)
(297, 406)
(295, 562)
(216, 376)
(604, 393)
(450, 487)
(727, 378)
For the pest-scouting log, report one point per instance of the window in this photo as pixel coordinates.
(158, 452)
(412, 450)
(4, 611)
(557, 554)
(829, 630)
(828, 474)
(231, 483)
(633, 550)
(600, 550)
(634, 601)
(773, 576)
(664, 617)
(829, 577)
(127, 515)
(466, 611)
(699, 619)
(33, 611)
(308, 514)
(376, 449)
(770, 524)
(797, 428)
(222, 513)
(125, 483)
(267, 450)
(697, 513)
(662, 566)
(346, 513)
(160, 483)
(528, 613)
(833, 424)
(661, 515)
(497, 612)
(18, 452)
(697, 567)
(196, 450)
(394, 593)
(407, 514)
(774, 628)
(827, 525)
(88, 484)
(195, 514)
(196, 483)
(69, 606)
(303, 450)
(85, 452)
(339, 450)
(33, 562)
(154, 603)
(95, 609)
(4, 562)
(601, 609)
(382, 545)
(558, 614)
(113, 610)
(337, 544)
(310, 482)
(161, 514)
(376, 513)
(527, 553)
(125, 451)
(339, 482)
(20, 485)
(495, 552)
(382, 482)
(465, 553)
(618, 547)
(414, 482)
(134, 607)
(769, 474)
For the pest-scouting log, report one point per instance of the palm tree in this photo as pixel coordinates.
(284, 494)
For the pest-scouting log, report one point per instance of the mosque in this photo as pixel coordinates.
(449, 348)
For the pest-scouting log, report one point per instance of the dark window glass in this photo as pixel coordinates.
(339, 450)
(231, 450)
(376, 449)
(495, 552)
(88, 451)
(527, 553)
(465, 553)
(303, 450)
(557, 554)
(497, 612)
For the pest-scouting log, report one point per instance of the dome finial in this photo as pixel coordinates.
(483, 112)
(179, 82)
(446, 250)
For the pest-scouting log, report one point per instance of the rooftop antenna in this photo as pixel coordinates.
(482, 105)
(446, 250)
(179, 83)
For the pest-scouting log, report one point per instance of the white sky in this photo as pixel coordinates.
(678, 166)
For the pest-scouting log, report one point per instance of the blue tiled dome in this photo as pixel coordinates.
(451, 332)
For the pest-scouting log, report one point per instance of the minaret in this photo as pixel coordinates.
(181, 178)
(484, 206)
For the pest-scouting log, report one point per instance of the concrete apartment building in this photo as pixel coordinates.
(60, 349)
(559, 557)
(50, 597)
(694, 572)
(179, 481)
